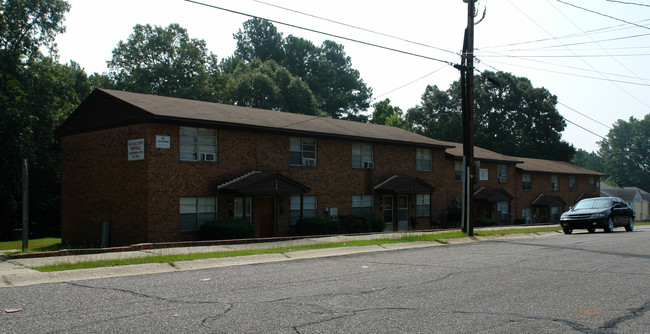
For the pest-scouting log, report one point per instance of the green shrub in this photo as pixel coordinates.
(485, 222)
(355, 224)
(227, 229)
(377, 224)
(317, 226)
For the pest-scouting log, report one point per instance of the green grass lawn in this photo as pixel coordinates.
(54, 243)
(35, 245)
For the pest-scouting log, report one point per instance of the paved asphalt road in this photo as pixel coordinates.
(580, 283)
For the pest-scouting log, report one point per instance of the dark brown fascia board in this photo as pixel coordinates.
(559, 173)
(216, 124)
(505, 162)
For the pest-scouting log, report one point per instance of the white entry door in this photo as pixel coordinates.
(402, 213)
(388, 212)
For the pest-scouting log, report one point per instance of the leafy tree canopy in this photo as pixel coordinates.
(510, 117)
(387, 114)
(337, 87)
(36, 95)
(164, 61)
(269, 86)
(626, 153)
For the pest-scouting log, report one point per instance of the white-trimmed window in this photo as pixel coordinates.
(361, 204)
(198, 144)
(423, 159)
(458, 171)
(592, 183)
(573, 184)
(526, 216)
(525, 182)
(239, 208)
(362, 155)
(502, 211)
(195, 211)
(308, 208)
(423, 205)
(302, 151)
(555, 214)
(502, 173)
(555, 182)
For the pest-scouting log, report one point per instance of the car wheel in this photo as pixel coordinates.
(567, 230)
(630, 225)
(591, 230)
(610, 225)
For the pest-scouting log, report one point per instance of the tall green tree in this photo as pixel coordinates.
(589, 160)
(269, 86)
(438, 116)
(510, 117)
(337, 86)
(386, 114)
(36, 94)
(164, 61)
(626, 153)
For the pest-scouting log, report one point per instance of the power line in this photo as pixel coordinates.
(408, 84)
(629, 3)
(324, 33)
(562, 104)
(583, 60)
(355, 27)
(601, 14)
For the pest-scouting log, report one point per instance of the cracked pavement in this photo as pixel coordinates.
(580, 283)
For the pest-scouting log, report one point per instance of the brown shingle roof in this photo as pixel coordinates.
(555, 167)
(480, 154)
(160, 108)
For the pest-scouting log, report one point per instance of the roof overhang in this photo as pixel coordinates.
(548, 200)
(403, 184)
(263, 183)
(492, 195)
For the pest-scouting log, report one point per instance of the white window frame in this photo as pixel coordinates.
(423, 159)
(555, 183)
(502, 210)
(573, 183)
(502, 173)
(309, 207)
(362, 153)
(197, 144)
(526, 182)
(203, 209)
(458, 171)
(423, 205)
(362, 204)
(302, 150)
(239, 205)
(526, 214)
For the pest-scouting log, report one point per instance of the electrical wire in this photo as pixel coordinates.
(629, 3)
(355, 27)
(324, 33)
(601, 14)
(409, 83)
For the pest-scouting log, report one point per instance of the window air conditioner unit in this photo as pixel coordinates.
(309, 162)
(503, 179)
(205, 156)
(368, 164)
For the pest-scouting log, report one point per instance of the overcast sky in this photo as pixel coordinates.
(592, 54)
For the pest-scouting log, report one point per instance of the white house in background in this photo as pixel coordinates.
(636, 198)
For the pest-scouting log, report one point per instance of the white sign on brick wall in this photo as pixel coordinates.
(483, 174)
(163, 142)
(136, 149)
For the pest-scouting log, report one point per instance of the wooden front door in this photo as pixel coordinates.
(267, 217)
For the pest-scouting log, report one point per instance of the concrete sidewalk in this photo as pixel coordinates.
(17, 272)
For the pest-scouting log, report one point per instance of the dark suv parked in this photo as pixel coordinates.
(598, 212)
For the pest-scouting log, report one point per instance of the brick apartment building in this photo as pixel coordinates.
(155, 168)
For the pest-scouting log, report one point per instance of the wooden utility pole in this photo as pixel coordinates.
(25, 205)
(467, 76)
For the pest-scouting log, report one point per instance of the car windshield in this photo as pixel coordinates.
(593, 204)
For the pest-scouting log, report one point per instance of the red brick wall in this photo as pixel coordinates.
(140, 199)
